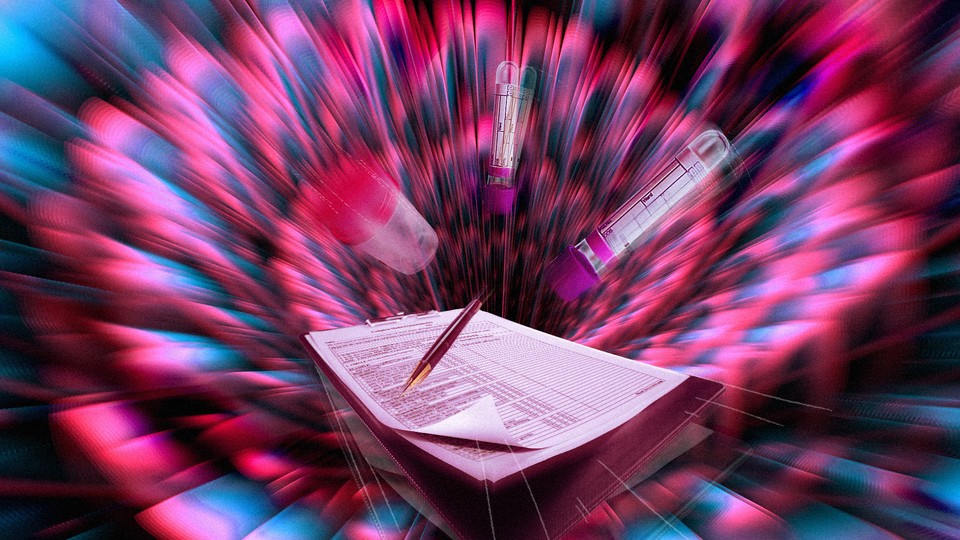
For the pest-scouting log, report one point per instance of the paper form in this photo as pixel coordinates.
(500, 383)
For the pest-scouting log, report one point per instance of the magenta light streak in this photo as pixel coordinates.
(160, 250)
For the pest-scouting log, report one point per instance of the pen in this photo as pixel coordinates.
(443, 343)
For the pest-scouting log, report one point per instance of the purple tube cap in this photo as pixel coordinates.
(570, 275)
(498, 199)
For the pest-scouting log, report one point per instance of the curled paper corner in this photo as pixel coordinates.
(479, 422)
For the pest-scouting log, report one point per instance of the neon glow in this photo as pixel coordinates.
(160, 251)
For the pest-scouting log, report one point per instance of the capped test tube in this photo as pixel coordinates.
(364, 208)
(513, 93)
(690, 178)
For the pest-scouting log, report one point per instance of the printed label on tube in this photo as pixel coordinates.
(647, 207)
(685, 183)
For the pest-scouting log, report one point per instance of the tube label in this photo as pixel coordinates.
(651, 204)
(510, 110)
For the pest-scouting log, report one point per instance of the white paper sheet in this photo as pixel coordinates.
(500, 383)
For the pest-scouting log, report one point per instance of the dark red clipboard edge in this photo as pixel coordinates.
(577, 480)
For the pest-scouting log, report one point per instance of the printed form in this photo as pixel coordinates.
(504, 397)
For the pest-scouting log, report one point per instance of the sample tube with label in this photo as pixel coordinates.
(363, 208)
(689, 179)
(513, 92)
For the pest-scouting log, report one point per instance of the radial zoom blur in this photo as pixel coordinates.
(188, 185)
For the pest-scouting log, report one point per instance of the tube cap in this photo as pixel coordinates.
(498, 199)
(363, 208)
(353, 201)
(570, 275)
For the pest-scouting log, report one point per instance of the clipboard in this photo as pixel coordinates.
(547, 499)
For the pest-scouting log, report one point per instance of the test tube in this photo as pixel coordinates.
(363, 208)
(688, 180)
(513, 93)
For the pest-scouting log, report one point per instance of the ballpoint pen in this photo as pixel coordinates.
(444, 342)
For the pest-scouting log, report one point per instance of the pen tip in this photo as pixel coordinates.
(406, 386)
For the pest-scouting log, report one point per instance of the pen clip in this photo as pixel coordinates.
(400, 316)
